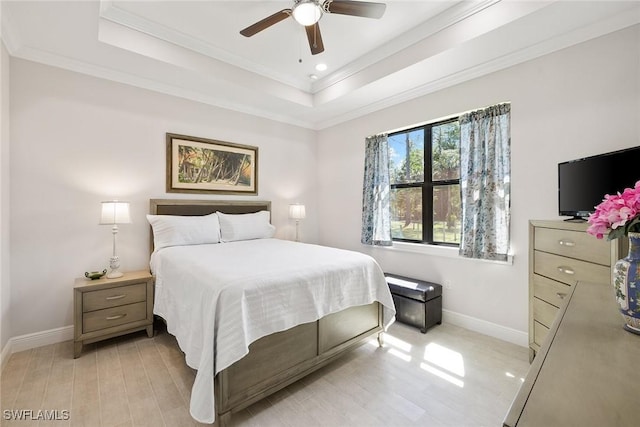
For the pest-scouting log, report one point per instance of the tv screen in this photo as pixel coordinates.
(582, 183)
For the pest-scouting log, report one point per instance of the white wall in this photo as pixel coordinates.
(5, 285)
(576, 102)
(77, 140)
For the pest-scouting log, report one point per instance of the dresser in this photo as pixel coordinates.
(106, 308)
(585, 374)
(561, 253)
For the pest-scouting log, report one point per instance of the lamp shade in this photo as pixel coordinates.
(307, 12)
(115, 212)
(297, 211)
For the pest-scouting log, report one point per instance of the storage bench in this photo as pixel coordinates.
(418, 303)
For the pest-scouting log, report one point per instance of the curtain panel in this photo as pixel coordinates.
(485, 169)
(376, 213)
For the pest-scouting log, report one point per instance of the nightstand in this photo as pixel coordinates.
(107, 308)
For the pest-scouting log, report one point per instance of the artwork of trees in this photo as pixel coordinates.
(202, 165)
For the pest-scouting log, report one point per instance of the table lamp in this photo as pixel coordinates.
(297, 212)
(114, 213)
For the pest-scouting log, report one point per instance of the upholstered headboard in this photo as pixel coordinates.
(204, 207)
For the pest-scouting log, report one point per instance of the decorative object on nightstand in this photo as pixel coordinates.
(114, 213)
(297, 212)
(106, 308)
(619, 216)
(94, 275)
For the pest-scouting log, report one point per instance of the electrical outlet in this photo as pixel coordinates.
(448, 284)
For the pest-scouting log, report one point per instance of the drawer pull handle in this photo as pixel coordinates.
(561, 295)
(567, 243)
(115, 297)
(566, 270)
(118, 316)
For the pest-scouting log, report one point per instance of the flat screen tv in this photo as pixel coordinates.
(582, 183)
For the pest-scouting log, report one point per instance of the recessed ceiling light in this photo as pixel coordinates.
(313, 77)
(321, 67)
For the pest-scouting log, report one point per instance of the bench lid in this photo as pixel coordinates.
(413, 288)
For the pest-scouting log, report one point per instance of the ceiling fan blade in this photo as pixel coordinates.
(315, 39)
(356, 8)
(266, 23)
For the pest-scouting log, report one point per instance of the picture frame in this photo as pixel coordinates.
(201, 165)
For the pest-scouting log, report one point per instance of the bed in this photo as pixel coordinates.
(283, 309)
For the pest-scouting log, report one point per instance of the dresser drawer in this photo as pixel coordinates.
(573, 244)
(113, 297)
(540, 332)
(569, 270)
(543, 312)
(115, 316)
(549, 290)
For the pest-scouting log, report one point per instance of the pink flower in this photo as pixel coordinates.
(614, 212)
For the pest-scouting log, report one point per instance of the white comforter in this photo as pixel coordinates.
(217, 299)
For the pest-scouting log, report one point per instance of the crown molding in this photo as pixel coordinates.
(51, 59)
(546, 47)
(9, 33)
(110, 12)
(445, 19)
(15, 48)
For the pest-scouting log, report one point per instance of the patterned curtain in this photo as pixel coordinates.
(485, 168)
(376, 216)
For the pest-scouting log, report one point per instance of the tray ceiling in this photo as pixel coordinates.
(193, 49)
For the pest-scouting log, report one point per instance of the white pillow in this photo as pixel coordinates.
(176, 230)
(245, 226)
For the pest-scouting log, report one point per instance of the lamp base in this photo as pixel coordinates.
(114, 264)
(115, 274)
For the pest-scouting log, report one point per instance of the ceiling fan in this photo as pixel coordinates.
(309, 12)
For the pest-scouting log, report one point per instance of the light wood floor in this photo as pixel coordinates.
(447, 377)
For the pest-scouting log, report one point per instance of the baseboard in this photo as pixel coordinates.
(38, 339)
(487, 328)
(65, 333)
(4, 355)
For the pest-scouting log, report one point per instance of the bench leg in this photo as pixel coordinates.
(381, 339)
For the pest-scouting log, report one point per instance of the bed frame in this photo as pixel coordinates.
(277, 360)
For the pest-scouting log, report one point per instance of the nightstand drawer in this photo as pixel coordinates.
(107, 318)
(573, 244)
(113, 297)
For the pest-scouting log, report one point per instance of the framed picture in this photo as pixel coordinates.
(199, 165)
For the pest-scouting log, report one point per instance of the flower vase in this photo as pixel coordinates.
(626, 283)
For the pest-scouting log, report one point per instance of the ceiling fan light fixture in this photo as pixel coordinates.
(307, 12)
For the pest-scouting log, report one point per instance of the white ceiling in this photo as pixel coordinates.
(193, 49)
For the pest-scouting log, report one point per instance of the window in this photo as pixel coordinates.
(424, 169)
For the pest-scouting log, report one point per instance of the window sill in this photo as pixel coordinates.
(434, 250)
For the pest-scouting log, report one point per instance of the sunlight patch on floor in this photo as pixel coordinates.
(444, 363)
(444, 358)
(447, 377)
(400, 355)
(397, 347)
(397, 343)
